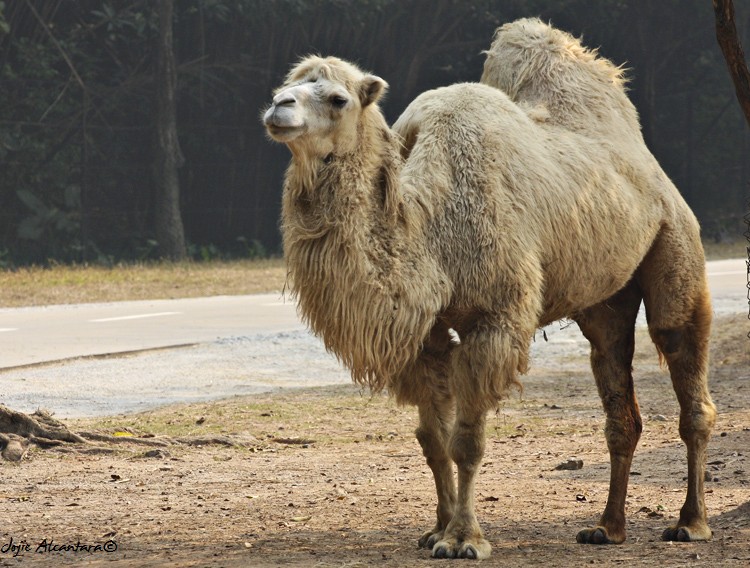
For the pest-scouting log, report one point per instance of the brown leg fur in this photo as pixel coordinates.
(609, 327)
(685, 349)
(678, 309)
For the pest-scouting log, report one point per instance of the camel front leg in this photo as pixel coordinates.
(425, 384)
(433, 434)
(484, 366)
(462, 537)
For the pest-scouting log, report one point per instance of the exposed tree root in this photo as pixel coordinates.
(98, 437)
(18, 431)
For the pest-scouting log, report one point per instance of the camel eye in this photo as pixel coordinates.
(338, 101)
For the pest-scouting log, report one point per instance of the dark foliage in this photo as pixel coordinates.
(76, 123)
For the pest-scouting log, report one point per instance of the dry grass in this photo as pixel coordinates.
(721, 251)
(36, 286)
(76, 284)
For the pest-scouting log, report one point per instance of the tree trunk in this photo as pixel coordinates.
(167, 154)
(726, 34)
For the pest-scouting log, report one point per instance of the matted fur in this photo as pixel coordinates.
(493, 214)
(468, 221)
(348, 245)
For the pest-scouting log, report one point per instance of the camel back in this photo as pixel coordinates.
(558, 80)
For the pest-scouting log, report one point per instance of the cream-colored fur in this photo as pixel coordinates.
(490, 214)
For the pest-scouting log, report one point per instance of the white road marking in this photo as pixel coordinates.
(139, 316)
(8, 329)
(727, 273)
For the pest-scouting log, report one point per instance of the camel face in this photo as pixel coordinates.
(313, 108)
(320, 105)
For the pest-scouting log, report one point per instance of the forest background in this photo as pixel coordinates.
(79, 101)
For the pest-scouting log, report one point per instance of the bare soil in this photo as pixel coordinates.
(334, 477)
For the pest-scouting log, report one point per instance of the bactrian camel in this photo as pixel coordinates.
(426, 256)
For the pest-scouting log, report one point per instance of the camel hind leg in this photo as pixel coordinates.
(678, 309)
(609, 327)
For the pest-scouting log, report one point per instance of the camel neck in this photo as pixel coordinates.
(352, 263)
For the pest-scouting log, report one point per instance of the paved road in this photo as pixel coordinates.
(50, 333)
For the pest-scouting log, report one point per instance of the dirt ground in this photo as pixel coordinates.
(332, 476)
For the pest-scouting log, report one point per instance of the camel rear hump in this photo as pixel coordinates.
(541, 66)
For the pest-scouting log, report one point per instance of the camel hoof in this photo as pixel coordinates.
(443, 550)
(597, 535)
(428, 539)
(684, 534)
(469, 550)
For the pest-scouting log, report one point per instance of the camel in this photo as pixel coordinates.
(427, 255)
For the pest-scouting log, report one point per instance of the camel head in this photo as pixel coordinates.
(318, 109)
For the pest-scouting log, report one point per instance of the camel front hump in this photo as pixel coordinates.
(514, 193)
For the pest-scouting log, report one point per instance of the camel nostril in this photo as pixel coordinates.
(284, 99)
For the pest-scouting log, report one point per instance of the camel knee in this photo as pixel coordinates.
(698, 421)
(623, 433)
(467, 445)
(433, 447)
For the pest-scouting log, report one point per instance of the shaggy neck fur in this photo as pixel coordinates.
(352, 258)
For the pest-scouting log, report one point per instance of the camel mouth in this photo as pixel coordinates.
(284, 133)
(282, 124)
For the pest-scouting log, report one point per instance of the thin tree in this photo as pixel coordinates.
(726, 34)
(729, 41)
(168, 157)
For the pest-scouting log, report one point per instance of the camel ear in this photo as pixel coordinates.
(371, 89)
